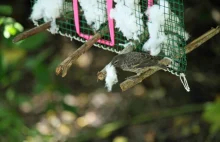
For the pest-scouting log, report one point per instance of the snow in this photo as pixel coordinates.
(128, 18)
(111, 76)
(49, 10)
(95, 12)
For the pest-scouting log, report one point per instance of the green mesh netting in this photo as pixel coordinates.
(176, 35)
(173, 29)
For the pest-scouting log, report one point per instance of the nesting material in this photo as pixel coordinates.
(128, 18)
(156, 27)
(94, 12)
(111, 76)
(158, 15)
(49, 10)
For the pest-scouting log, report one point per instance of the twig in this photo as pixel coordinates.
(67, 63)
(101, 74)
(38, 29)
(202, 39)
(190, 47)
(135, 80)
(31, 32)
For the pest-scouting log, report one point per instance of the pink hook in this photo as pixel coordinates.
(110, 24)
(150, 3)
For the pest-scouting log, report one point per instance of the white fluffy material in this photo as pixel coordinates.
(157, 15)
(156, 27)
(49, 10)
(127, 15)
(111, 76)
(154, 44)
(94, 12)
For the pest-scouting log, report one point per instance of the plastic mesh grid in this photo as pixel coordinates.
(67, 25)
(173, 28)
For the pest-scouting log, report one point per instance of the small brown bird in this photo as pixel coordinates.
(138, 62)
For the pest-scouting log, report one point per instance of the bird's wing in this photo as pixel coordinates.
(133, 59)
(148, 61)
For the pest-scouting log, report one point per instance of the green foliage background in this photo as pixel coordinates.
(37, 105)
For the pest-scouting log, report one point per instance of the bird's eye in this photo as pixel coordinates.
(116, 61)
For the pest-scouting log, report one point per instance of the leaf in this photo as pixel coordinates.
(5, 10)
(2, 70)
(6, 34)
(10, 95)
(18, 26)
(2, 19)
(212, 115)
(11, 29)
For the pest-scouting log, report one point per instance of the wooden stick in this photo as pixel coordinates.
(190, 47)
(101, 74)
(67, 63)
(202, 39)
(38, 29)
(135, 80)
(31, 32)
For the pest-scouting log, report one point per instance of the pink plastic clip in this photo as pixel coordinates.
(150, 3)
(110, 24)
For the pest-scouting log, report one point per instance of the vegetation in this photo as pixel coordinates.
(36, 105)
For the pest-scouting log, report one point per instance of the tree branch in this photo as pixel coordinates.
(31, 32)
(38, 29)
(202, 39)
(190, 47)
(101, 74)
(67, 63)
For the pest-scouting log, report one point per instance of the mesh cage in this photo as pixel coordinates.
(67, 26)
(84, 27)
(174, 30)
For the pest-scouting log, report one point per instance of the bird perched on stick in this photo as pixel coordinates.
(137, 62)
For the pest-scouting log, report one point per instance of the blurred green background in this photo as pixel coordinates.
(38, 106)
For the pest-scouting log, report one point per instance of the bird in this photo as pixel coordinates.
(137, 62)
